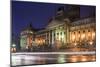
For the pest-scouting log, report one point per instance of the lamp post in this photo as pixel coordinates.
(13, 49)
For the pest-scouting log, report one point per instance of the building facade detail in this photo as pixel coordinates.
(62, 31)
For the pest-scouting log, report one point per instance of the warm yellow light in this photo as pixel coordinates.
(93, 35)
(39, 41)
(89, 34)
(90, 42)
(43, 41)
(83, 58)
(11, 49)
(14, 49)
(73, 37)
(79, 36)
(75, 44)
(83, 36)
(93, 58)
(74, 59)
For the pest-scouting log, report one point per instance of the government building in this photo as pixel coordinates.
(65, 30)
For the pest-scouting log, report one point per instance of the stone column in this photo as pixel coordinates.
(49, 37)
(67, 34)
(53, 37)
(46, 38)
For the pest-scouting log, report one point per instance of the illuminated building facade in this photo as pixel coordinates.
(27, 38)
(41, 37)
(57, 32)
(65, 29)
(83, 32)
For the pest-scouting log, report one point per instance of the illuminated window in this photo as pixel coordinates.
(90, 42)
(83, 35)
(73, 37)
(93, 35)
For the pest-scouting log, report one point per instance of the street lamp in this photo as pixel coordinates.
(26, 47)
(13, 49)
(90, 42)
(75, 43)
(13, 45)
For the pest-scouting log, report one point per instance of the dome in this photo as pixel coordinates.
(28, 29)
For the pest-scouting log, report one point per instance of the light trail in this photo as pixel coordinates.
(68, 53)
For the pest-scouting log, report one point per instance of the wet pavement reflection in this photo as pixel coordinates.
(50, 59)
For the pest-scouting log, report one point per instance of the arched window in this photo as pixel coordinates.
(83, 35)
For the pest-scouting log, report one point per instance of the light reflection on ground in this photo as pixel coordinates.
(50, 59)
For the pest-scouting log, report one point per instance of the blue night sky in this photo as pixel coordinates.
(24, 13)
